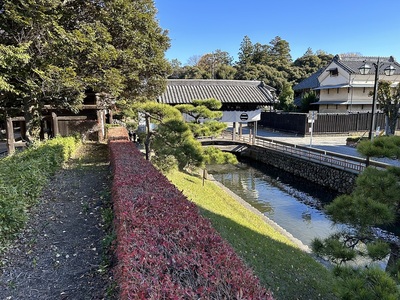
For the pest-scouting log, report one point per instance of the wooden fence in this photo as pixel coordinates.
(324, 123)
(53, 125)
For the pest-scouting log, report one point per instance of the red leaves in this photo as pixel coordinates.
(165, 249)
(117, 133)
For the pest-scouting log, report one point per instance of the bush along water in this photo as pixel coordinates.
(164, 248)
(22, 178)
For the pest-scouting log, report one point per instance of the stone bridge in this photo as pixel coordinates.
(329, 169)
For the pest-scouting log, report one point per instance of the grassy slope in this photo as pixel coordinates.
(284, 269)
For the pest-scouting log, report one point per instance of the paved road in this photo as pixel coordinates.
(3, 148)
(332, 143)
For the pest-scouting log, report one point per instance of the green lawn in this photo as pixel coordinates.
(282, 267)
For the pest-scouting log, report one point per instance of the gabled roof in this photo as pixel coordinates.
(351, 64)
(310, 82)
(181, 91)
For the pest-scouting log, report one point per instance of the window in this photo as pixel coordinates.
(364, 90)
(333, 72)
(337, 91)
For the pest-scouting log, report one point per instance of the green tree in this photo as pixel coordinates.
(11, 58)
(171, 140)
(204, 114)
(114, 47)
(311, 62)
(279, 54)
(225, 72)
(365, 284)
(308, 98)
(374, 203)
(389, 101)
(260, 54)
(141, 46)
(192, 72)
(245, 54)
(286, 98)
(215, 156)
(212, 62)
(176, 66)
(48, 77)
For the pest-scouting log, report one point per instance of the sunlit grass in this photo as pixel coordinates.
(283, 268)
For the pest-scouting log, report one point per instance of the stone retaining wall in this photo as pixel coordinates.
(336, 179)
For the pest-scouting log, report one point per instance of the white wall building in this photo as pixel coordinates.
(344, 89)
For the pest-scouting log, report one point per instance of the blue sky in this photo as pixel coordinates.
(369, 27)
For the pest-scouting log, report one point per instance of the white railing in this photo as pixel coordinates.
(345, 162)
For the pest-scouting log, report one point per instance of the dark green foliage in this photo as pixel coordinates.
(389, 101)
(172, 141)
(68, 47)
(213, 155)
(174, 138)
(22, 177)
(308, 99)
(375, 201)
(384, 146)
(286, 98)
(334, 248)
(205, 111)
(271, 63)
(365, 284)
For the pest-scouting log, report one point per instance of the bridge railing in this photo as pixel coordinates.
(344, 162)
(333, 159)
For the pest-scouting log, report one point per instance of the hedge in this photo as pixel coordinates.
(164, 248)
(22, 178)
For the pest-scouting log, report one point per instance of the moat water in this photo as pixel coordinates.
(297, 205)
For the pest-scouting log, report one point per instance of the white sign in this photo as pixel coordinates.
(241, 116)
(312, 116)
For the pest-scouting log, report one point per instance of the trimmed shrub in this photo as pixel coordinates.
(164, 248)
(22, 178)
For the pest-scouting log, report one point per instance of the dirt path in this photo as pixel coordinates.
(60, 254)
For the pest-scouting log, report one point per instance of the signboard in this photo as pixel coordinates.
(241, 116)
(312, 116)
(244, 116)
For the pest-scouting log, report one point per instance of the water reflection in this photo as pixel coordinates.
(293, 203)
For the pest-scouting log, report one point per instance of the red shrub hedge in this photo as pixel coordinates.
(165, 249)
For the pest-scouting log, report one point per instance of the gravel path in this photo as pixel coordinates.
(60, 253)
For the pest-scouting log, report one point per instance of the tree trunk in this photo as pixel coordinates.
(393, 265)
(148, 134)
(32, 122)
(388, 130)
(394, 115)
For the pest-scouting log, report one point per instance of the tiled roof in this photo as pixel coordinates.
(310, 82)
(180, 91)
(352, 63)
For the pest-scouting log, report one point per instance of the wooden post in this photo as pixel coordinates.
(10, 137)
(100, 122)
(55, 124)
(111, 116)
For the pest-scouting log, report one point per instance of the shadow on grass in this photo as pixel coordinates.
(287, 271)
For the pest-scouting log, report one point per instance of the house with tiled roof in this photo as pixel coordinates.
(305, 86)
(239, 98)
(342, 88)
